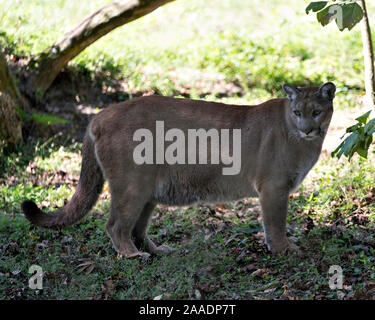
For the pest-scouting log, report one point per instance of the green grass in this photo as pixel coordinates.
(219, 249)
(231, 51)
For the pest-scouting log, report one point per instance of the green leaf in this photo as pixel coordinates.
(362, 152)
(316, 6)
(346, 15)
(350, 143)
(371, 132)
(367, 142)
(47, 118)
(353, 128)
(333, 153)
(324, 16)
(362, 149)
(363, 118)
(350, 15)
(359, 140)
(370, 125)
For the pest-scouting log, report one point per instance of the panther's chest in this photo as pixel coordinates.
(298, 174)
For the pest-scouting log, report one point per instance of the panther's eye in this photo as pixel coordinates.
(297, 113)
(316, 113)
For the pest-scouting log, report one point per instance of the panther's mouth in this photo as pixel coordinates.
(314, 134)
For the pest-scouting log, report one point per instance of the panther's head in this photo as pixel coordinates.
(310, 110)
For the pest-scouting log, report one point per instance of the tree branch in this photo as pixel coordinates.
(50, 62)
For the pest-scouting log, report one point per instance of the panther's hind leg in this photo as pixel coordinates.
(140, 232)
(126, 208)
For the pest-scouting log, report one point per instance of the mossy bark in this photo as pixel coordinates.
(10, 121)
(10, 99)
(7, 81)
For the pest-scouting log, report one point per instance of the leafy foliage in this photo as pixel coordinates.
(316, 6)
(359, 140)
(346, 13)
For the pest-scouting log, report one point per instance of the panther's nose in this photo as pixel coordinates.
(307, 131)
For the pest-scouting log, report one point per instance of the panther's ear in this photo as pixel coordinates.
(291, 92)
(327, 91)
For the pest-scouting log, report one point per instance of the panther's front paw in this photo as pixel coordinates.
(284, 246)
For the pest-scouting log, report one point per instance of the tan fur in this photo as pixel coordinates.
(278, 148)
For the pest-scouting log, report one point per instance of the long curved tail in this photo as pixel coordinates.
(89, 187)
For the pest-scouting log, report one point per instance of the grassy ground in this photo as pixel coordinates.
(231, 51)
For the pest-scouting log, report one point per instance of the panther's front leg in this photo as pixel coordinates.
(274, 203)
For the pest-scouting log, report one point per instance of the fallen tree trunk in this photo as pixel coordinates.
(49, 63)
